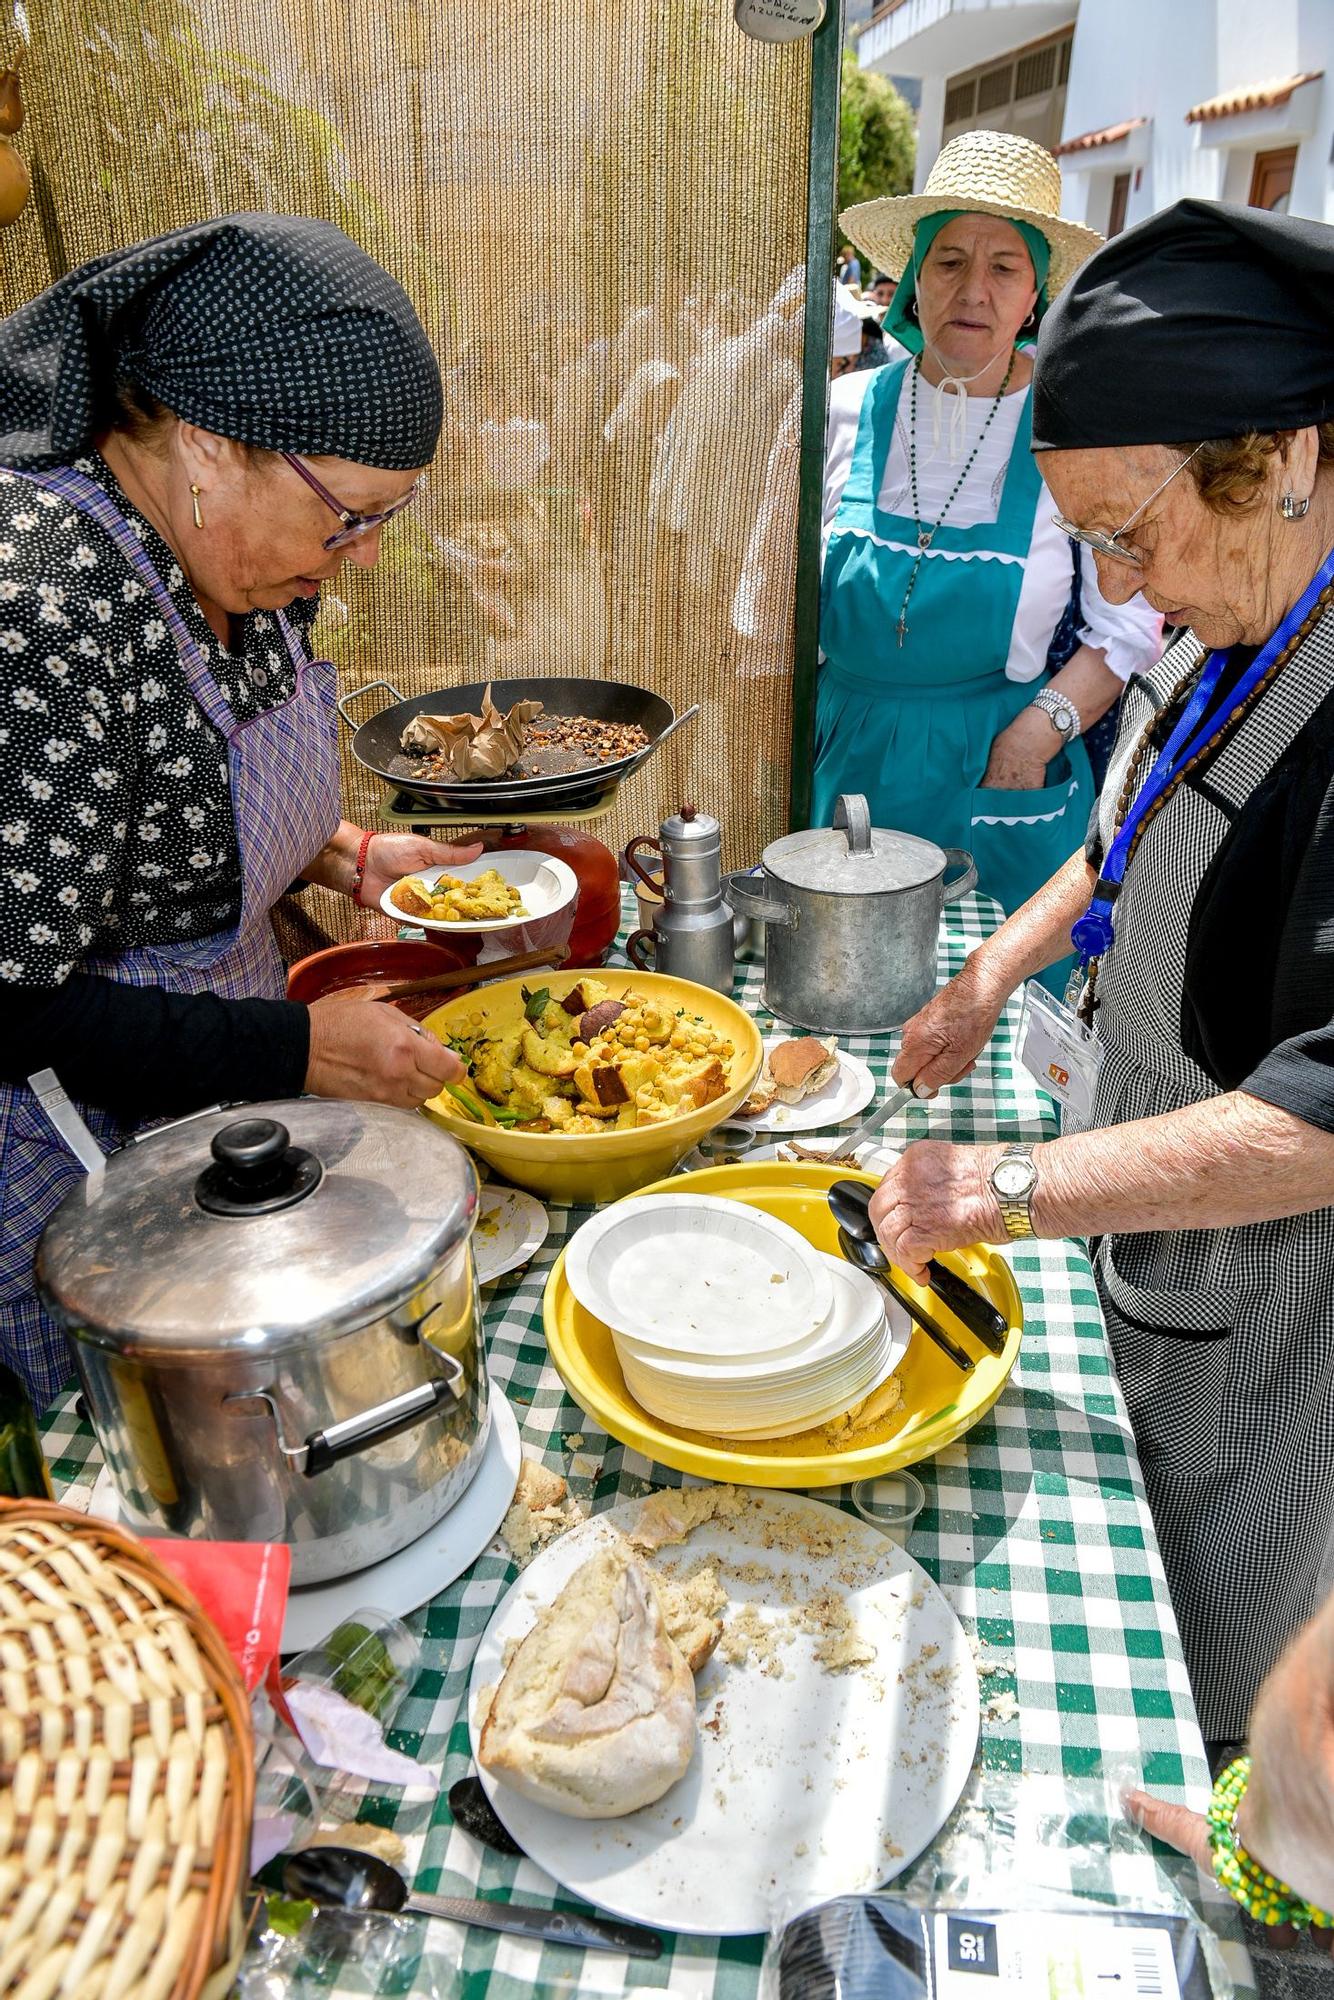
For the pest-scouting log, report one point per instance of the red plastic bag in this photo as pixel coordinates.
(243, 1588)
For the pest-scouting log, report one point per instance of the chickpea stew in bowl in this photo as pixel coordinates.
(582, 1088)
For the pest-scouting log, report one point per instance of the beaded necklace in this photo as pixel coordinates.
(1134, 769)
(925, 536)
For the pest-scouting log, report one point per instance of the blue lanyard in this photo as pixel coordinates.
(1091, 934)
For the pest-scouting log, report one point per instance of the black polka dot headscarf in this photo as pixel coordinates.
(275, 330)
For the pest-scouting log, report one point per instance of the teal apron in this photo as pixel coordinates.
(912, 726)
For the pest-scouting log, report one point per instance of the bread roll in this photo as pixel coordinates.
(595, 1716)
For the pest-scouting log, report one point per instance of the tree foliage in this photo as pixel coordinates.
(877, 138)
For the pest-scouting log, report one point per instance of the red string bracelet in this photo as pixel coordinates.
(359, 872)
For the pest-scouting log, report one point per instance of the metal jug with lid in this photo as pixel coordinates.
(692, 933)
(852, 917)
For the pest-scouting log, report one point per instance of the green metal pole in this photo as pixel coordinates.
(821, 200)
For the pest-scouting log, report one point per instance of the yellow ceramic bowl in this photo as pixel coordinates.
(939, 1403)
(578, 1167)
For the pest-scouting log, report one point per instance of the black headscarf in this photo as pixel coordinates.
(276, 330)
(1206, 321)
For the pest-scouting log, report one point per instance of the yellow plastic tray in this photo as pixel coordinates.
(939, 1403)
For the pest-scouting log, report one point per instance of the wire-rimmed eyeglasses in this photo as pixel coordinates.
(1112, 545)
(354, 525)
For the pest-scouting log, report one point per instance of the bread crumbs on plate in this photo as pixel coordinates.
(541, 1510)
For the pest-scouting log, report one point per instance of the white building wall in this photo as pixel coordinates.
(1148, 59)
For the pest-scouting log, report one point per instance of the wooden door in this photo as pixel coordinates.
(1271, 179)
(1116, 220)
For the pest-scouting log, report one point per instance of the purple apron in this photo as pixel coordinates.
(283, 774)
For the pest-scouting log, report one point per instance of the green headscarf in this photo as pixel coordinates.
(899, 322)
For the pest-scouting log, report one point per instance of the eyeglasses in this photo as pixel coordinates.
(1111, 545)
(354, 525)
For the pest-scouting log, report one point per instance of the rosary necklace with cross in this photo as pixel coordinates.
(925, 536)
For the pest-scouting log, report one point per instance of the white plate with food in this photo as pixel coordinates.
(810, 1083)
(770, 1791)
(493, 893)
(511, 1227)
(699, 1275)
(721, 1150)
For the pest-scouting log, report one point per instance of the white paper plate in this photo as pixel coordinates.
(695, 1274)
(511, 1228)
(848, 1091)
(737, 1420)
(407, 1580)
(802, 1787)
(545, 884)
(857, 1314)
(871, 1157)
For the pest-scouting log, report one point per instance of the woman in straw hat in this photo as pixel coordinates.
(944, 578)
(1183, 416)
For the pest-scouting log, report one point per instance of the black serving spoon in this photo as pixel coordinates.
(347, 1878)
(869, 1257)
(849, 1202)
(474, 1812)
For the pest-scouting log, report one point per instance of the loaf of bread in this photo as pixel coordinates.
(595, 1716)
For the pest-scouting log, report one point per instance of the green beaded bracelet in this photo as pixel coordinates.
(1261, 1894)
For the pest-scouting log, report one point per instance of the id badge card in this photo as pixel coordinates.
(1060, 1054)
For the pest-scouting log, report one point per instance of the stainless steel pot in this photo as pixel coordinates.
(851, 916)
(276, 1322)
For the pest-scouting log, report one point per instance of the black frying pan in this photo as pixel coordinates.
(376, 742)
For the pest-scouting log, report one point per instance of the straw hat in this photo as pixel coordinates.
(984, 173)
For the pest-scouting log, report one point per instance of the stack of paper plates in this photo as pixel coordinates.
(727, 1321)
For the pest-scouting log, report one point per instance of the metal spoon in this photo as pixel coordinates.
(349, 1879)
(870, 1258)
(849, 1202)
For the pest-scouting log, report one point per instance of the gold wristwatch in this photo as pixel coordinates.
(1013, 1180)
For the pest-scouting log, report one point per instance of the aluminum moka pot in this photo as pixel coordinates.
(692, 932)
(851, 918)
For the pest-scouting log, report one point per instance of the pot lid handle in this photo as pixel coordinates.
(852, 816)
(256, 1170)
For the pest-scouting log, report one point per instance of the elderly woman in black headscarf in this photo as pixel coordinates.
(195, 434)
(1183, 407)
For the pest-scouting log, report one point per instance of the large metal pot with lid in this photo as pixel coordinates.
(851, 916)
(276, 1322)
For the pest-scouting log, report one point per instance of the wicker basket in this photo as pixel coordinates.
(126, 1771)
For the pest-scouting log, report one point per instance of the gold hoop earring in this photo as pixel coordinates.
(194, 501)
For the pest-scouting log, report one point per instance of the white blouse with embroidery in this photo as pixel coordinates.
(1130, 634)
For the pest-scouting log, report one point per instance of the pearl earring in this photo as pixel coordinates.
(1291, 508)
(194, 501)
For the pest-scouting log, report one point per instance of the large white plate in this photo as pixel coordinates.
(511, 1227)
(848, 1091)
(402, 1582)
(801, 1787)
(545, 884)
(698, 1275)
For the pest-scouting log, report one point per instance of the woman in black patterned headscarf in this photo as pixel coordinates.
(195, 435)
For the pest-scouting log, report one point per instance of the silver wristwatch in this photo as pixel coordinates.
(1062, 714)
(1013, 1180)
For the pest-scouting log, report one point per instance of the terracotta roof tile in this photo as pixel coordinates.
(1255, 97)
(1108, 136)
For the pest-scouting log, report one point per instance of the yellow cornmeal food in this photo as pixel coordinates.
(594, 1061)
(450, 901)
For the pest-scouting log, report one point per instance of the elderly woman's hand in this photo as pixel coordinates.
(391, 856)
(942, 1043)
(936, 1197)
(361, 1048)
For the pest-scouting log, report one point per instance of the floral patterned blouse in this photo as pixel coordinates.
(116, 824)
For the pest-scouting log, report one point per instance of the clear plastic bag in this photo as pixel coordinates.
(1030, 1862)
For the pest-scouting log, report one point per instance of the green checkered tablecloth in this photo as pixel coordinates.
(1036, 1528)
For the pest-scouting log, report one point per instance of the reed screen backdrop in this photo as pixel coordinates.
(599, 208)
